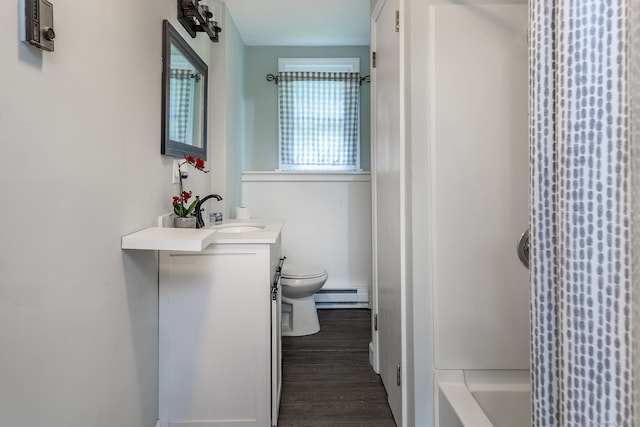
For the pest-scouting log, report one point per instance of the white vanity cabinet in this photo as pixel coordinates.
(219, 343)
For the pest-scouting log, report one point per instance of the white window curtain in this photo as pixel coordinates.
(319, 120)
(584, 213)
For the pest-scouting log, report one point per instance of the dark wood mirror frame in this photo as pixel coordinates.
(169, 147)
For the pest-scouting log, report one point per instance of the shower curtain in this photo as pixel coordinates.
(585, 188)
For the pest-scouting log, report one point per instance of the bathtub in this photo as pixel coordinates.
(483, 399)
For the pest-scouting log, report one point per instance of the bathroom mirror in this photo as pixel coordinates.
(184, 97)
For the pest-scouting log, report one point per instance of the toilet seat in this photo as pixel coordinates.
(301, 271)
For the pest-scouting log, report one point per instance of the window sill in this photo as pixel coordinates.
(293, 176)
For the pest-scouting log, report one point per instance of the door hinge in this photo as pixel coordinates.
(397, 21)
(375, 322)
(373, 60)
(398, 375)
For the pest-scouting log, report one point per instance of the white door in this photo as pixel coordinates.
(387, 165)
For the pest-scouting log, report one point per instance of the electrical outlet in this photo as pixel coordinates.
(179, 166)
(175, 171)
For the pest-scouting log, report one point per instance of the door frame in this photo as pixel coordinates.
(374, 346)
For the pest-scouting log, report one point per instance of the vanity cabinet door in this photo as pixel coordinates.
(215, 337)
(276, 331)
(276, 352)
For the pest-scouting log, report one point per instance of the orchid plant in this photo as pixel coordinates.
(181, 205)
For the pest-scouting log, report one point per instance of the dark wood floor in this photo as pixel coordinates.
(327, 380)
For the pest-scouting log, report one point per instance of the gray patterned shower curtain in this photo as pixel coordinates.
(585, 184)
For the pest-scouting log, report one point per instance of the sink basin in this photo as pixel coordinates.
(238, 228)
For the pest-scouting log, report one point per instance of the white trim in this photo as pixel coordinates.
(286, 176)
(286, 167)
(405, 231)
(420, 107)
(348, 65)
(374, 345)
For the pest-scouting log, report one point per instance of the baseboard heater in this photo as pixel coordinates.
(342, 298)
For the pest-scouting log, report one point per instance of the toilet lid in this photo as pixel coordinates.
(300, 271)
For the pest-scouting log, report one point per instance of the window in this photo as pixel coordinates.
(319, 114)
(185, 88)
(184, 94)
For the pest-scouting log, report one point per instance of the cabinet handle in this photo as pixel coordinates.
(276, 279)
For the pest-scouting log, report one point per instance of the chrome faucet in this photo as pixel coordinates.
(198, 209)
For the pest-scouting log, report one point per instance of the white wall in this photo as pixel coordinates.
(419, 359)
(480, 189)
(80, 133)
(327, 220)
(419, 66)
(234, 63)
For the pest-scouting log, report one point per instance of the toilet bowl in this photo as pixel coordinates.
(299, 283)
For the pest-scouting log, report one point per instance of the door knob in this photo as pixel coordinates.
(523, 248)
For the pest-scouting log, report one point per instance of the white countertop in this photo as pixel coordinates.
(191, 239)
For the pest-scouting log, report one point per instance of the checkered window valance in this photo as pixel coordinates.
(319, 120)
(180, 98)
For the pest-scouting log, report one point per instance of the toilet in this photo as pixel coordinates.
(299, 283)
